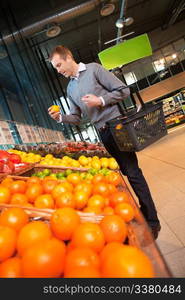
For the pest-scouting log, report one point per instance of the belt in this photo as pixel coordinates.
(104, 127)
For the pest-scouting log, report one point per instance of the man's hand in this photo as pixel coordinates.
(92, 100)
(54, 115)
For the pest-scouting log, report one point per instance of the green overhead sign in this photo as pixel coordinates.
(125, 52)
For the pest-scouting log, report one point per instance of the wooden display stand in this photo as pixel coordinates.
(139, 234)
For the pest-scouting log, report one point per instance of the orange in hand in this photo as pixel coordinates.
(55, 108)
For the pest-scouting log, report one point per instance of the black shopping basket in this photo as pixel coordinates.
(136, 131)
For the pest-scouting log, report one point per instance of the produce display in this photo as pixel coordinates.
(75, 218)
(96, 193)
(66, 161)
(67, 247)
(70, 148)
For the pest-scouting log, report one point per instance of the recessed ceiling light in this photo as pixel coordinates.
(107, 9)
(53, 31)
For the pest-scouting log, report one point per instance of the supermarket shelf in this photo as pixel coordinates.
(173, 112)
(175, 124)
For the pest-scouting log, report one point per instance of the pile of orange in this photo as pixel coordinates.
(66, 247)
(98, 195)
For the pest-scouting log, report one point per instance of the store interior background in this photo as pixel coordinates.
(29, 84)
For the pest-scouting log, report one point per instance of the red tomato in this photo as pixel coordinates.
(15, 158)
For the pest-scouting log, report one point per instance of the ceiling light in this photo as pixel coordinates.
(120, 23)
(174, 55)
(107, 9)
(53, 30)
(128, 21)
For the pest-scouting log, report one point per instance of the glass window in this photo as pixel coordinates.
(130, 78)
(159, 65)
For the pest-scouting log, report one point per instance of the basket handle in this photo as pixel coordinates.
(140, 99)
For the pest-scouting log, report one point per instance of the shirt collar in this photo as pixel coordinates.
(81, 68)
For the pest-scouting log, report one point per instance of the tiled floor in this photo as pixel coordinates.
(163, 165)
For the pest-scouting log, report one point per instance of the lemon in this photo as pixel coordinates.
(113, 164)
(75, 164)
(95, 164)
(49, 156)
(104, 162)
(83, 160)
(95, 157)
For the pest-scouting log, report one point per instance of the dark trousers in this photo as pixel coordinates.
(128, 164)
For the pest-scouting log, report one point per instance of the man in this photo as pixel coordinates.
(94, 91)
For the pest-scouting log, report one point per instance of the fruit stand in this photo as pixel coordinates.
(81, 198)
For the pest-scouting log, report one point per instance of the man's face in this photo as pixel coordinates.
(64, 67)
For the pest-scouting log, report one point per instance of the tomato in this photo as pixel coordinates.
(8, 167)
(4, 155)
(15, 158)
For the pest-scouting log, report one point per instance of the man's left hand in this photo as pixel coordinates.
(92, 100)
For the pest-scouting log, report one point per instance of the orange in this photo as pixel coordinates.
(125, 210)
(107, 250)
(65, 200)
(119, 197)
(33, 191)
(101, 188)
(81, 199)
(31, 233)
(44, 201)
(48, 185)
(6, 182)
(88, 235)
(45, 259)
(18, 186)
(14, 217)
(114, 178)
(93, 209)
(114, 228)
(85, 187)
(112, 188)
(11, 268)
(74, 178)
(8, 238)
(127, 262)
(61, 188)
(108, 211)
(98, 178)
(55, 108)
(4, 194)
(18, 198)
(83, 272)
(96, 200)
(80, 257)
(63, 223)
(34, 179)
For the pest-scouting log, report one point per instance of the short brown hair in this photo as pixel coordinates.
(62, 51)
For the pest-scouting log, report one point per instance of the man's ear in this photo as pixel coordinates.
(69, 57)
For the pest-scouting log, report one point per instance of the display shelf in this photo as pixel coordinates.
(139, 234)
(173, 112)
